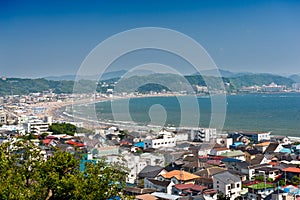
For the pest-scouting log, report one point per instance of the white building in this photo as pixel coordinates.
(273, 87)
(13, 128)
(135, 163)
(2, 118)
(227, 183)
(37, 126)
(165, 139)
(296, 86)
(204, 134)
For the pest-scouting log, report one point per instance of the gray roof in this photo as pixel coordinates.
(257, 160)
(150, 171)
(227, 177)
(271, 148)
(243, 164)
(164, 183)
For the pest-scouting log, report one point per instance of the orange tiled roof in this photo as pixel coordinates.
(263, 144)
(292, 169)
(146, 197)
(180, 175)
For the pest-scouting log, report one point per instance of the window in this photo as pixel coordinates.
(228, 187)
(238, 185)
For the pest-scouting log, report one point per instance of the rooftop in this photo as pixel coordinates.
(292, 169)
(233, 153)
(179, 175)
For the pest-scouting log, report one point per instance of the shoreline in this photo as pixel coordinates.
(57, 110)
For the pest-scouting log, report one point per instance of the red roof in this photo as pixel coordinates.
(292, 169)
(51, 137)
(47, 141)
(78, 144)
(190, 186)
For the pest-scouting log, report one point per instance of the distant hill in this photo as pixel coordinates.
(144, 83)
(105, 76)
(223, 73)
(295, 77)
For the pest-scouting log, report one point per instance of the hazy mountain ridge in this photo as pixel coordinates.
(153, 82)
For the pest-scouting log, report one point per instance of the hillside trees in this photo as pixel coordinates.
(26, 174)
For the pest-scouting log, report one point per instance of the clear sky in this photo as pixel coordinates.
(42, 38)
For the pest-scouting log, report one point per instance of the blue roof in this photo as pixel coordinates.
(238, 143)
(285, 150)
(139, 144)
(115, 198)
(230, 160)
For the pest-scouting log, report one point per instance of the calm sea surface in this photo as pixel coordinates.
(279, 113)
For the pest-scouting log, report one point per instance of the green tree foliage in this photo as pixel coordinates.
(25, 174)
(259, 178)
(295, 180)
(62, 128)
(282, 182)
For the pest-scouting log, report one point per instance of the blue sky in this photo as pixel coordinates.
(44, 38)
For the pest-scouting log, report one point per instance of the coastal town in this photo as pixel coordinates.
(163, 163)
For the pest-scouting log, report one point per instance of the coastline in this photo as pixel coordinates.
(282, 130)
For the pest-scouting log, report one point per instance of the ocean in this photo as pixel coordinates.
(279, 113)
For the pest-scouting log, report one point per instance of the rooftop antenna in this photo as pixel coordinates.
(181, 175)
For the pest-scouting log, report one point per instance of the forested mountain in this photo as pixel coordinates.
(152, 82)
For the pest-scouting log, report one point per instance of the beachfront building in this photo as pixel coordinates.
(256, 137)
(273, 87)
(204, 134)
(164, 139)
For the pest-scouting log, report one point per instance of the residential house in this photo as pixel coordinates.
(262, 146)
(227, 142)
(150, 171)
(146, 197)
(187, 189)
(251, 154)
(165, 139)
(268, 172)
(178, 176)
(281, 139)
(236, 154)
(289, 172)
(205, 148)
(209, 172)
(227, 183)
(159, 185)
(273, 147)
(218, 151)
(259, 159)
(256, 137)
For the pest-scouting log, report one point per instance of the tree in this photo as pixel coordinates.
(25, 174)
(62, 128)
(282, 182)
(295, 180)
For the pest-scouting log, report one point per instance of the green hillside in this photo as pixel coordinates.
(153, 82)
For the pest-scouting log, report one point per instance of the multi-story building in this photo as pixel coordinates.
(227, 183)
(273, 87)
(256, 137)
(2, 118)
(204, 134)
(36, 126)
(165, 139)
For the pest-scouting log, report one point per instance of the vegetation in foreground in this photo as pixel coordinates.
(26, 174)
